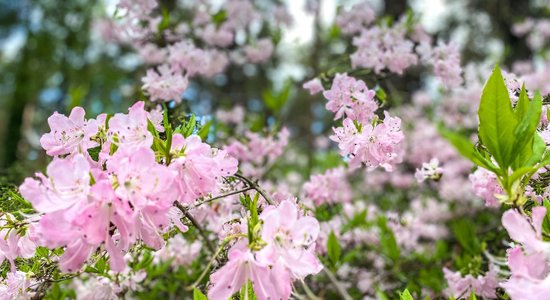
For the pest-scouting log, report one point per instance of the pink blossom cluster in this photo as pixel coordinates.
(486, 186)
(98, 287)
(351, 98)
(379, 145)
(12, 244)
(16, 286)
(537, 32)
(445, 61)
(461, 287)
(288, 255)
(127, 194)
(258, 153)
(329, 187)
(363, 138)
(180, 58)
(382, 47)
(356, 18)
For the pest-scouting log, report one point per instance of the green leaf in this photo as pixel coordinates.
(198, 295)
(405, 295)
(203, 132)
(523, 104)
(466, 149)
(497, 121)
(546, 220)
(388, 242)
(473, 296)
(537, 151)
(465, 233)
(333, 248)
(526, 130)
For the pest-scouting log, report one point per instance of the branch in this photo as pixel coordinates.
(248, 188)
(337, 284)
(197, 225)
(255, 186)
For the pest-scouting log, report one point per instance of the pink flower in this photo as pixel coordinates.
(259, 152)
(314, 86)
(200, 168)
(16, 286)
(430, 170)
(382, 48)
(355, 19)
(268, 282)
(67, 186)
(351, 98)
(164, 84)
(524, 231)
(330, 187)
(260, 52)
(374, 146)
(69, 135)
(13, 245)
(290, 240)
(461, 287)
(141, 180)
(485, 185)
(529, 278)
(129, 131)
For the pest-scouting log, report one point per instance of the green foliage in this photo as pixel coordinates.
(497, 121)
(334, 250)
(464, 232)
(405, 295)
(508, 134)
(276, 100)
(388, 243)
(198, 295)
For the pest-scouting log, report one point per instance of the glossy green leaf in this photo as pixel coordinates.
(497, 121)
(405, 295)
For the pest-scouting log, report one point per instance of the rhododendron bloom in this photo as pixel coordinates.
(164, 84)
(330, 187)
(200, 168)
(290, 240)
(527, 232)
(351, 98)
(373, 146)
(69, 134)
(12, 244)
(269, 282)
(16, 286)
(486, 186)
(314, 86)
(462, 286)
(430, 170)
(130, 130)
(530, 275)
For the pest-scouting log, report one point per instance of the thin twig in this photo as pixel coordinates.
(248, 188)
(197, 225)
(255, 186)
(337, 284)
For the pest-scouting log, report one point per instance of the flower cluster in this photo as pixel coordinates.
(180, 58)
(330, 187)
(287, 255)
(124, 194)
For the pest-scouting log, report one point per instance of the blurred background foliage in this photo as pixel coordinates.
(51, 60)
